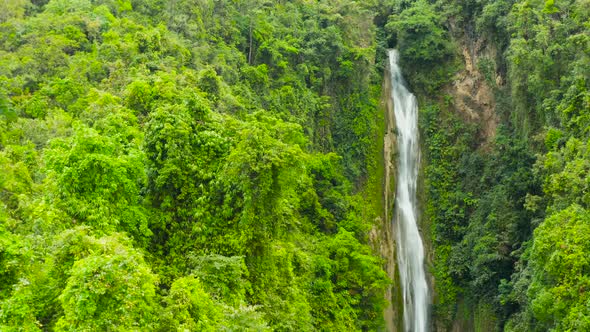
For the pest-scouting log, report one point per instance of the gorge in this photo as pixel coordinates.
(236, 165)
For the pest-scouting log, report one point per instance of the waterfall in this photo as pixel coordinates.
(410, 251)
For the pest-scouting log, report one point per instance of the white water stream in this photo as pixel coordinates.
(410, 250)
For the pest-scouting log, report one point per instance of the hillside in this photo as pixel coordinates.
(229, 165)
(193, 165)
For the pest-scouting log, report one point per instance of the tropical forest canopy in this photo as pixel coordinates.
(188, 165)
(216, 165)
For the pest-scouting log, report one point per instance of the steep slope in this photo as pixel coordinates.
(199, 165)
(504, 93)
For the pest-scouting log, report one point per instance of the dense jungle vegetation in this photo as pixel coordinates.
(188, 165)
(215, 165)
(509, 215)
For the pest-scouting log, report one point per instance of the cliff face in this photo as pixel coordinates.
(473, 95)
(472, 98)
(504, 108)
(385, 240)
(394, 311)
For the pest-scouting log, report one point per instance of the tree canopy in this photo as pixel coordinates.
(196, 165)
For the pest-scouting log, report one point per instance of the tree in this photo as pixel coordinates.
(10, 259)
(262, 176)
(560, 267)
(420, 35)
(83, 283)
(189, 307)
(110, 289)
(98, 181)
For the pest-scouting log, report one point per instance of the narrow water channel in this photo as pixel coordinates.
(410, 250)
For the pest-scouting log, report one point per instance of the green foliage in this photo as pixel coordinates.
(548, 65)
(99, 180)
(357, 279)
(448, 205)
(112, 289)
(10, 259)
(559, 264)
(81, 281)
(226, 139)
(556, 42)
(423, 42)
(485, 200)
(222, 277)
(419, 33)
(263, 172)
(476, 207)
(189, 307)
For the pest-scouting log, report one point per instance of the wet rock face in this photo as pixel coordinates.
(393, 312)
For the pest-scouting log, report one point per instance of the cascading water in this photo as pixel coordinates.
(410, 251)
